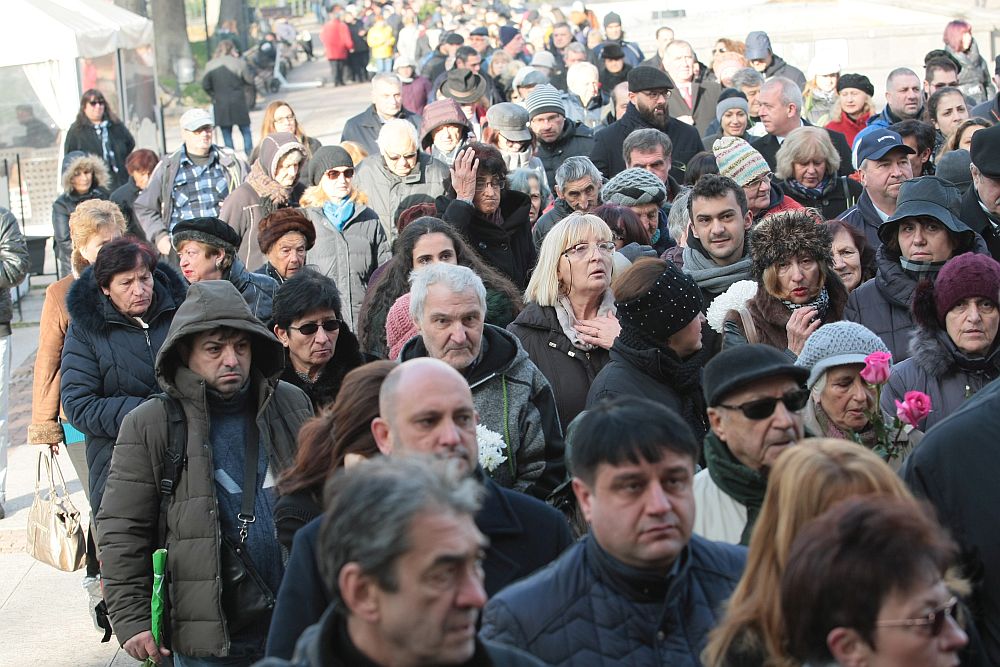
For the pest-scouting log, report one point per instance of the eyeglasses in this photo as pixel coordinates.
(582, 250)
(497, 184)
(656, 94)
(334, 174)
(284, 119)
(310, 328)
(934, 621)
(207, 129)
(760, 180)
(396, 158)
(762, 408)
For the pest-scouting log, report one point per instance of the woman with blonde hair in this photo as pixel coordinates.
(568, 323)
(806, 481)
(807, 164)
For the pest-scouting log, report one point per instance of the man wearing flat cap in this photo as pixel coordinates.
(754, 394)
(649, 93)
(981, 205)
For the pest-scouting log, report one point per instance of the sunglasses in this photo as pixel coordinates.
(762, 408)
(95, 103)
(310, 328)
(934, 620)
(334, 174)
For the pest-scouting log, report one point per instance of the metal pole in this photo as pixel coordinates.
(208, 48)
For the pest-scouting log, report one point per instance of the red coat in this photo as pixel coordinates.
(849, 128)
(336, 38)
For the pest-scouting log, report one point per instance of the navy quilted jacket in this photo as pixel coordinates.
(107, 363)
(585, 611)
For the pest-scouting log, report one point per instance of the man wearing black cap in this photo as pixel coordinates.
(883, 160)
(649, 94)
(990, 109)
(479, 39)
(754, 394)
(444, 52)
(614, 35)
(981, 205)
(612, 67)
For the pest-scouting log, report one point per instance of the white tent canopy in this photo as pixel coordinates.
(35, 31)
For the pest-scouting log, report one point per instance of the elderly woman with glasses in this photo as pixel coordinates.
(744, 164)
(351, 242)
(319, 346)
(493, 218)
(568, 324)
(98, 131)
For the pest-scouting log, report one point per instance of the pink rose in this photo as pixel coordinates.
(876, 370)
(914, 407)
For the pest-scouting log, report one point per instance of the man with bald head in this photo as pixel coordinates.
(399, 175)
(426, 407)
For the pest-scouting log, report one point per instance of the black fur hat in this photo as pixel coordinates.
(786, 234)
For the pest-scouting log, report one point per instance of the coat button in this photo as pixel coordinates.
(661, 635)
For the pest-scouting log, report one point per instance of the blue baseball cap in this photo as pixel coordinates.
(875, 143)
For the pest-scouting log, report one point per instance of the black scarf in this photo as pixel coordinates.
(737, 481)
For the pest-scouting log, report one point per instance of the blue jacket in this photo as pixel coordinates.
(107, 363)
(588, 610)
(525, 534)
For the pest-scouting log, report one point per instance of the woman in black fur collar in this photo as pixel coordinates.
(319, 346)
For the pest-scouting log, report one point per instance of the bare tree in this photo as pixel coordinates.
(171, 35)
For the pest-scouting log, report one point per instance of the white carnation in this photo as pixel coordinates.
(491, 448)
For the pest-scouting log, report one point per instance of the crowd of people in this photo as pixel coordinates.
(564, 355)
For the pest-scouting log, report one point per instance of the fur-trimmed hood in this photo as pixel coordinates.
(782, 235)
(86, 162)
(92, 310)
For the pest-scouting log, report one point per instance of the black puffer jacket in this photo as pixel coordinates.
(107, 363)
(590, 610)
(576, 139)
(883, 303)
(940, 370)
(568, 369)
(507, 247)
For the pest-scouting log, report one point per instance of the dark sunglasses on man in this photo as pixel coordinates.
(762, 408)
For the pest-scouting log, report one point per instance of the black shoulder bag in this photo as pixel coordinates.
(246, 598)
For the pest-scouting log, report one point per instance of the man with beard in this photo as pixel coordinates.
(649, 92)
(754, 395)
(883, 160)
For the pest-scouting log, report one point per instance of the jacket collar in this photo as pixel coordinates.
(496, 516)
(634, 583)
(91, 309)
(501, 351)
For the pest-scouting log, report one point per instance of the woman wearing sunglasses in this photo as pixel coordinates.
(98, 131)
(797, 290)
(806, 481)
(839, 399)
(350, 241)
(319, 346)
(865, 585)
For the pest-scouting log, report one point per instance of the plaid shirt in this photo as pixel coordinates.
(198, 191)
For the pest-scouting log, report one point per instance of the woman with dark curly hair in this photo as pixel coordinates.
(98, 131)
(426, 241)
(494, 219)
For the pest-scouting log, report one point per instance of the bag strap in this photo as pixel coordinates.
(252, 453)
(749, 328)
(173, 462)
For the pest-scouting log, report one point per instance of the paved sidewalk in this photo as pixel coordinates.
(43, 612)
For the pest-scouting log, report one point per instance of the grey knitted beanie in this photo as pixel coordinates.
(544, 98)
(837, 344)
(634, 187)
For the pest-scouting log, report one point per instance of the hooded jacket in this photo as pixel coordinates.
(779, 67)
(607, 154)
(589, 609)
(390, 194)
(129, 515)
(883, 303)
(351, 255)
(940, 370)
(575, 139)
(513, 399)
(107, 363)
(507, 246)
(244, 208)
(568, 369)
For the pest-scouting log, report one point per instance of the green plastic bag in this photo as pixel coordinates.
(159, 593)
